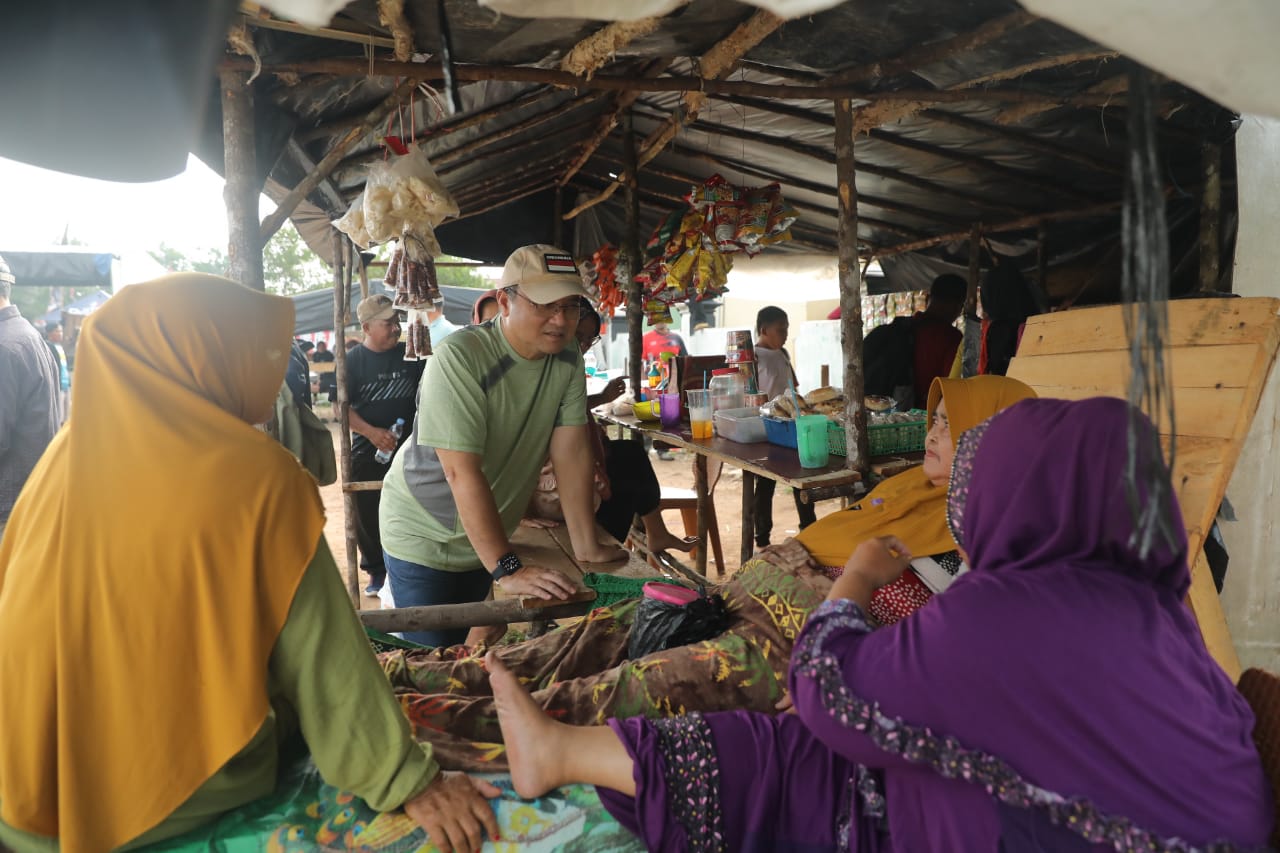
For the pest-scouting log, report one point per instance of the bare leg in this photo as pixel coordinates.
(544, 754)
(659, 538)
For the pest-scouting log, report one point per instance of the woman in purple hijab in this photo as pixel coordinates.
(1058, 697)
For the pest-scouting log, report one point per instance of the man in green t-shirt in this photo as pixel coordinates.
(495, 400)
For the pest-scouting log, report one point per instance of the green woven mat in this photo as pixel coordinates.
(610, 589)
(387, 643)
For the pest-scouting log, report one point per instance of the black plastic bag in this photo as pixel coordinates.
(660, 625)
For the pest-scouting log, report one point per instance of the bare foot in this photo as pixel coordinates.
(530, 735)
(668, 541)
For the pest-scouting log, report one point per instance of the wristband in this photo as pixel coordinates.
(508, 564)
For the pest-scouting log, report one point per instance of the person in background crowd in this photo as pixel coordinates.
(495, 400)
(937, 337)
(352, 343)
(660, 339)
(486, 307)
(329, 379)
(775, 376)
(29, 387)
(298, 376)
(1007, 300)
(438, 326)
(381, 387)
(53, 336)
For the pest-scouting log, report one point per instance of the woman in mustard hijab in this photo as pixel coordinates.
(585, 674)
(169, 611)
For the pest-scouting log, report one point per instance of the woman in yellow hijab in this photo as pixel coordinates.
(913, 505)
(169, 611)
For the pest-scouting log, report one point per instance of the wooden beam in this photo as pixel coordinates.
(1210, 216)
(545, 185)
(1110, 89)
(596, 50)
(1026, 139)
(1044, 63)
(241, 191)
(936, 51)
(1023, 223)
(330, 161)
(442, 158)
(431, 72)
(333, 33)
(855, 423)
(824, 155)
(445, 617)
(634, 260)
(341, 303)
(813, 186)
(621, 103)
(336, 204)
(391, 16)
(715, 63)
(432, 133)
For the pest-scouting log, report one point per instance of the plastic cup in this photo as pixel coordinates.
(700, 414)
(811, 440)
(669, 408)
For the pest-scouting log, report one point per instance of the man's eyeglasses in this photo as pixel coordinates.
(570, 310)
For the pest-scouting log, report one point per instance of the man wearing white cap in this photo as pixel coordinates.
(495, 399)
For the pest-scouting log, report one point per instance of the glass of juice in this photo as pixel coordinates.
(700, 414)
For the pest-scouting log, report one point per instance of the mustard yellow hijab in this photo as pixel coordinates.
(149, 564)
(907, 505)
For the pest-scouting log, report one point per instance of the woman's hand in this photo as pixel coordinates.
(455, 811)
(875, 563)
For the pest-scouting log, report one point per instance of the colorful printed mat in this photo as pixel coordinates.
(305, 814)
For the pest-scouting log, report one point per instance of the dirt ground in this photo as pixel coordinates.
(676, 473)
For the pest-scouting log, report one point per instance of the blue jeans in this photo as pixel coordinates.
(414, 585)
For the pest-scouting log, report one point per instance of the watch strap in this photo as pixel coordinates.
(508, 564)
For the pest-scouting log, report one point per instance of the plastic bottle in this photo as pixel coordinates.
(382, 457)
(655, 374)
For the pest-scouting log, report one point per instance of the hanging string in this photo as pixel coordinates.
(1145, 293)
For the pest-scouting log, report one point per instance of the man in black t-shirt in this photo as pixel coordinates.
(381, 387)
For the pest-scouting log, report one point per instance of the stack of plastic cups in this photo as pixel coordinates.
(740, 352)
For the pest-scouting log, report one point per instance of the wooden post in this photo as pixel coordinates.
(364, 274)
(748, 516)
(240, 193)
(702, 490)
(972, 325)
(855, 424)
(1210, 217)
(340, 308)
(631, 249)
(557, 228)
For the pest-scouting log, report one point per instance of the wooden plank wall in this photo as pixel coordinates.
(1220, 354)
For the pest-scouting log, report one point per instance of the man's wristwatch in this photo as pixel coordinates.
(508, 564)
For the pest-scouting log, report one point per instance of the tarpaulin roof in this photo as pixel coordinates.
(313, 311)
(59, 267)
(82, 307)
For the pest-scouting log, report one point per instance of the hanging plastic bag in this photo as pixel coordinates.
(670, 616)
(405, 194)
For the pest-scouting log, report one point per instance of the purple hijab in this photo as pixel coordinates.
(1062, 653)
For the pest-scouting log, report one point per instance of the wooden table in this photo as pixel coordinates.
(758, 459)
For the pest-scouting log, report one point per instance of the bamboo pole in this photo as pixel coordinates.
(364, 277)
(855, 422)
(431, 72)
(972, 325)
(1210, 217)
(443, 617)
(635, 260)
(244, 250)
(341, 304)
(330, 161)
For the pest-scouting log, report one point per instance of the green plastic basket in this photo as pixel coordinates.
(884, 439)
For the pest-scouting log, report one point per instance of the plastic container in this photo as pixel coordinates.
(669, 409)
(780, 431)
(811, 440)
(742, 425)
(700, 414)
(883, 439)
(728, 389)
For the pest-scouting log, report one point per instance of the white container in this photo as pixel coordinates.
(741, 425)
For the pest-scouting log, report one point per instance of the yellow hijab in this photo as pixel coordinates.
(907, 505)
(149, 564)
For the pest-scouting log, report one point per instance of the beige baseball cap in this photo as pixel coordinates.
(376, 307)
(544, 273)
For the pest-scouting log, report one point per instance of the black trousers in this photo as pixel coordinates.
(764, 510)
(634, 485)
(365, 467)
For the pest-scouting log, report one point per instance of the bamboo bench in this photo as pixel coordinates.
(1220, 352)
